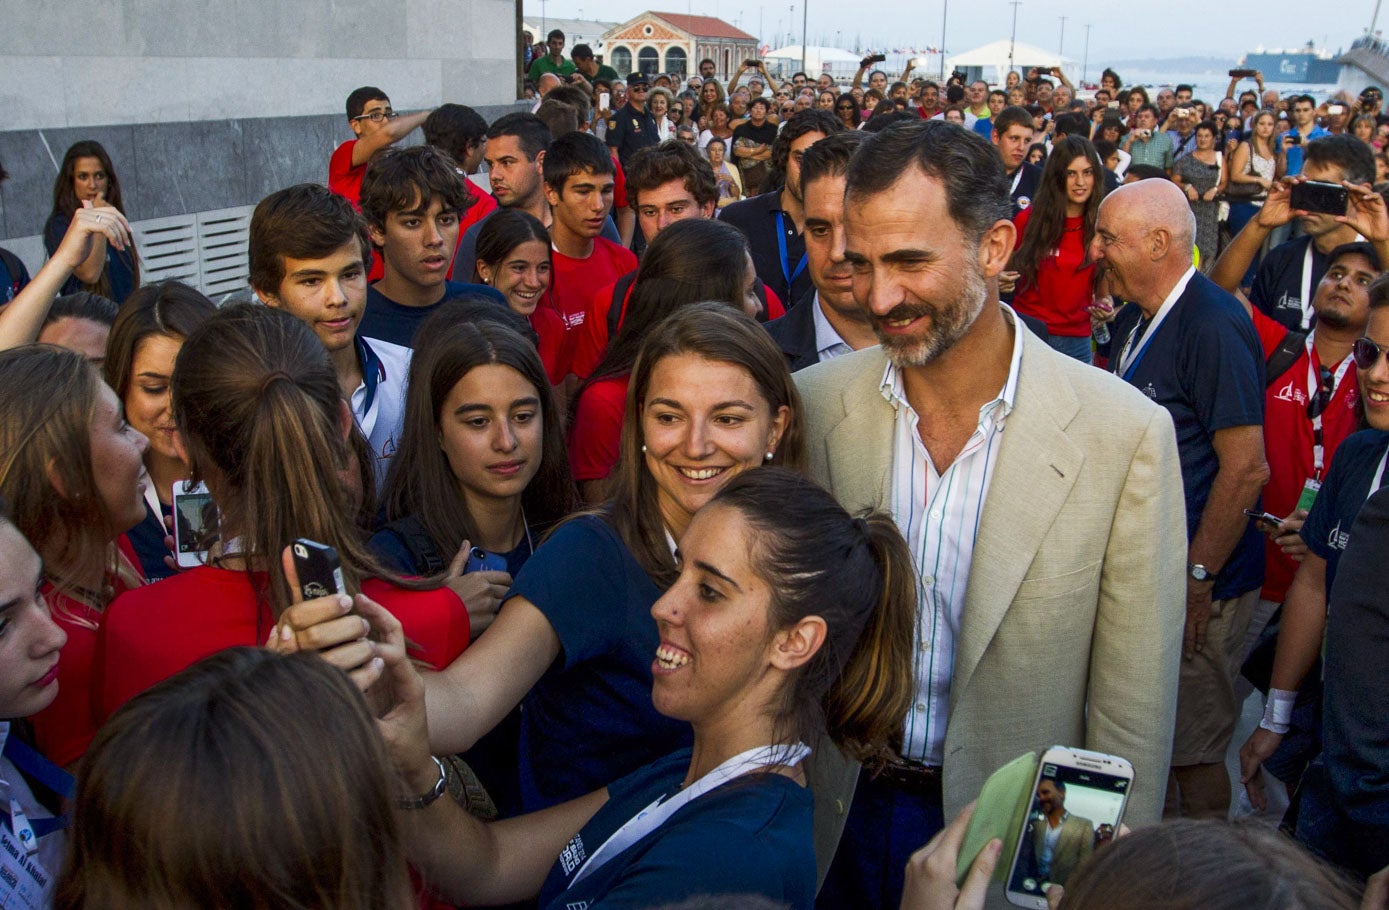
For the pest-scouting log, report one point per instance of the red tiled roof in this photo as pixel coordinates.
(705, 26)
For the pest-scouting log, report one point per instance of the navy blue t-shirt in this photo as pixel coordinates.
(1347, 486)
(1026, 190)
(750, 836)
(590, 719)
(147, 540)
(1277, 288)
(390, 321)
(1355, 725)
(1206, 366)
(120, 270)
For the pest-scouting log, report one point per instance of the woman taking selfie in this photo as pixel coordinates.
(86, 178)
(72, 473)
(30, 642)
(711, 398)
(148, 332)
(787, 618)
(1054, 282)
(263, 423)
(513, 256)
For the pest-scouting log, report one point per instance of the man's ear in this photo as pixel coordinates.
(551, 196)
(996, 246)
(793, 647)
(376, 235)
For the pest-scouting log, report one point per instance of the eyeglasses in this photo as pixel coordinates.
(378, 116)
(1366, 353)
(636, 88)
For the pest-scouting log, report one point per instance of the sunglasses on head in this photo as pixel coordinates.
(1366, 353)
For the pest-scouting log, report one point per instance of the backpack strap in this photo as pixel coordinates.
(1284, 356)
(619, 303)
(424, 554)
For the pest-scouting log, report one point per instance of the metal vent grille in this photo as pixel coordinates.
(205, 249)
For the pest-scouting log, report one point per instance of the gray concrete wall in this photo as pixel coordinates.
(211, 106)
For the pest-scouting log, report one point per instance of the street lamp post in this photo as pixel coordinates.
(805, 17)
(1013, 38)
(945, 10)
(1061, 44)
(1085, 62)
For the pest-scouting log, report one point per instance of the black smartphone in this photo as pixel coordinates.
(320, 570)
(1294, 140)
(750, 62)
(1266, 522)
(1315, 196)
(877, 58)
(1241, 74)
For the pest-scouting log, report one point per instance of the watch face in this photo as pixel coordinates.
(1199, 573)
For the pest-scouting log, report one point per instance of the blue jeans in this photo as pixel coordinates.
(1078, 347)
(885, 827)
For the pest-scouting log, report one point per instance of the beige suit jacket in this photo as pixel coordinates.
(1072, 623)
(1074, 844)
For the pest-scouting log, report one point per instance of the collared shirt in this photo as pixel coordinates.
(1156, 151)
(939, 513)
(630, 129)
(1182, 147)
(762, 221)
(828, 343)
(378, 404)
(1050, 837)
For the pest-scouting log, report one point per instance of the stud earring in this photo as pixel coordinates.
(769, 456)
(643, 448)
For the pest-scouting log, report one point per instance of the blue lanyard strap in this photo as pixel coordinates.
(786, 272)
(29, 761)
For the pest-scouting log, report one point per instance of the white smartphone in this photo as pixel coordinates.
(604, 99)
(1078, 801)
(195, 523)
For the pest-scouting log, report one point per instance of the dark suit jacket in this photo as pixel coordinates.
(794, 333)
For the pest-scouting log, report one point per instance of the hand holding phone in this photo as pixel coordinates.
(319, 569)
(1317, 196)
(1270, 524)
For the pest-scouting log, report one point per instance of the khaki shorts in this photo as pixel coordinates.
(1206, 709)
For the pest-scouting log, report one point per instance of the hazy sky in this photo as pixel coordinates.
(1120, 29)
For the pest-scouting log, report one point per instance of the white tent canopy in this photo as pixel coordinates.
(990, 62)
(817, 60)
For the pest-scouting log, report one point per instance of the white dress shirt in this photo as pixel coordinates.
(938, 514)
(828, 343)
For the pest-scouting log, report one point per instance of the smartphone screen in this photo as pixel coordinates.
(195, 522)
(1074, 812)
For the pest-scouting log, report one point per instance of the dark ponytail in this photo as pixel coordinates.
(854, 573)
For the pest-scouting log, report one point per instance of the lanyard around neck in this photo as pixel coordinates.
(1314, 387)
(786, 272)
(660, 811)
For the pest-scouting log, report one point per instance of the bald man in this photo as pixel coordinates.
(1189, 346)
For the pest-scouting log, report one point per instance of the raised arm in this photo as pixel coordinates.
(863, 66)
(737, 75)
(1231, 265)
(90, 230)
(391, 132)
(772, 85)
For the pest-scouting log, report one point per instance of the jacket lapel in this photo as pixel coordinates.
(860, 445)
(1037, 466)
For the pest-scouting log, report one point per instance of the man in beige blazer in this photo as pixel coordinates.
(1066, 629)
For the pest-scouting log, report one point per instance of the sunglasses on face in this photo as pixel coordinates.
(1366, 353)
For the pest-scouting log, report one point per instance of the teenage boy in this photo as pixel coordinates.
(376, 126)
(308, 255)
(460, 132)
(412, 199)
(579, 181)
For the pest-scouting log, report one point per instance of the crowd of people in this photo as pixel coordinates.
(678, 554)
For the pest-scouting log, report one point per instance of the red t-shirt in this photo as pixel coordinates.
(554, 343)
(1063, 288)
(343, 178)
(64, 729)
(152, 633)
(591, 338)
(574, 281)
(595, 439)
(619, 184)
(483, 205)
(1288, 440)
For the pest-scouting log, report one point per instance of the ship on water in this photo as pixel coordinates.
(1306, 65)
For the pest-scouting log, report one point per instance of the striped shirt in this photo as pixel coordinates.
(938, 514)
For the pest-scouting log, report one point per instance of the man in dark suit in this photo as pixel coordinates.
(826, 322)
(1012, 136)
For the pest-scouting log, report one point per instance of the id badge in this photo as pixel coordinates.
(1309, 494)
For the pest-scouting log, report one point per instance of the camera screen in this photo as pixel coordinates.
(196, 515)
(1074, 812)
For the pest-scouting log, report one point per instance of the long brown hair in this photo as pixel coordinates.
(1046, 224)
(65, 201)
(256, 398)
(48, 396)
(420, 482)
(855, 574)
(1189, 864)
(169, 308)
(248, 780)
(717, 332)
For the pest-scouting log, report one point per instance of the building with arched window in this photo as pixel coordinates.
(674, 43)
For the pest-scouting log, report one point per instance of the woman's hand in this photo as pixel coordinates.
(482, 592)
(1008, 281)
(326, 625)
(400, 713)
(1209, 195)
(89, 223)
(1288, 537)
(930, 883)
(1191, 193)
